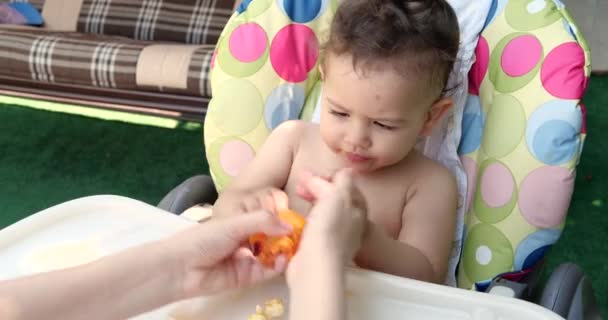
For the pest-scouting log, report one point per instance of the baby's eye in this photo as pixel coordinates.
(338, 114)
(384, 126)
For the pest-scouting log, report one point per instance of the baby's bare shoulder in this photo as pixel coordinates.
(430, 174)
(434, 190)
(290, 128)
(292, 132)
(302, 133)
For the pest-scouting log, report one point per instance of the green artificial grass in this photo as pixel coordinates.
(587, 225)
(47, 158)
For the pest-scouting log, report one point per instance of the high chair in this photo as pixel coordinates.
(513, 140)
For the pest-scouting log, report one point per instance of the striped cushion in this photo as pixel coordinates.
(184, 21)
(93, 60)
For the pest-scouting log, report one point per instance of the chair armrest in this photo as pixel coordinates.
(196, 190)
(568, 292)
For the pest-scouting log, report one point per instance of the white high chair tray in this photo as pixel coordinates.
(85, 229)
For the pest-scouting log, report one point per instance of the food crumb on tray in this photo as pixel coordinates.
(273, 309)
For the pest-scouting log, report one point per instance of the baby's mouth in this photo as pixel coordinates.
(356, 158)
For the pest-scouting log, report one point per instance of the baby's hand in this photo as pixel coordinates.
(236, 202)
(303, 188)
(269, 199)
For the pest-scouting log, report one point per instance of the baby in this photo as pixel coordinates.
(384, 76)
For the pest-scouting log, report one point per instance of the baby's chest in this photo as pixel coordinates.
(385, 208)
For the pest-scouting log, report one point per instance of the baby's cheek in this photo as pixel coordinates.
(326, 133)
(331, 141)
(388, 150)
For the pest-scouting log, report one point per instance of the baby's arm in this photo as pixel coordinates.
(268, 170)
(423, 247)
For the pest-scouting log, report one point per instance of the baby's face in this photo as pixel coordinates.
(371, 120)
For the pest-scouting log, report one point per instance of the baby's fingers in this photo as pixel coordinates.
(317, 187)
(277, 200)
(250, 203)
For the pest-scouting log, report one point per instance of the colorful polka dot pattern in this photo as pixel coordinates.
(522, 129)
(262, 72)
(522, 135)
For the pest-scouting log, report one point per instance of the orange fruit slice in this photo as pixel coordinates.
(267, 248)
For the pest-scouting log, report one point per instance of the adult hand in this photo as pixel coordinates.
(212, 258)
(338, 218)
(333, 234)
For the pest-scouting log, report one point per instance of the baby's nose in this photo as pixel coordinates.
(358, 139)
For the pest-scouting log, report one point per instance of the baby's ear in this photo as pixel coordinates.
(438, 109)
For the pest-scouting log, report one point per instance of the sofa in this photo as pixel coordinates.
(143, 56)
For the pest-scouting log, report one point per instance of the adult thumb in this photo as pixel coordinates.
(344, 179)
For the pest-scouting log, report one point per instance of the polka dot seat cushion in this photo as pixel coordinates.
(523, 132)
(264, 70)
(522, 128)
